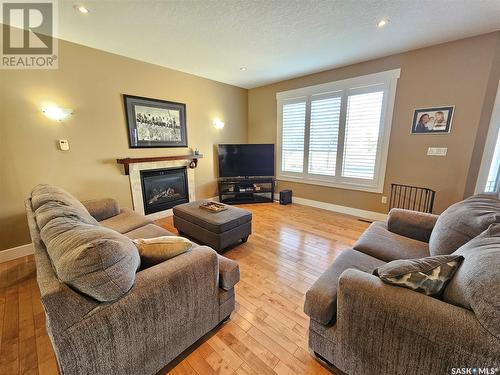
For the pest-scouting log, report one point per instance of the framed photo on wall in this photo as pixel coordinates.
(155, 123)
(434, 120)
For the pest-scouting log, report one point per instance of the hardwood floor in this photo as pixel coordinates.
(267, 334)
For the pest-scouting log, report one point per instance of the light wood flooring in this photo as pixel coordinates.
(267, 334)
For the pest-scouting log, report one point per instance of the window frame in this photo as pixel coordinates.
(489, 145)
(386, 80)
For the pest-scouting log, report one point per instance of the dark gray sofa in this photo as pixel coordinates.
(364, 326)
(168, 308)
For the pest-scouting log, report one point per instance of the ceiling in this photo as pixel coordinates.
(273, 39)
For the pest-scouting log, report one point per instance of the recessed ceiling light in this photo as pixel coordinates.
(383, 22)
(81, 9)
(243, 68)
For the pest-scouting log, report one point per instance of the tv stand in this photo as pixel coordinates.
(236, 190)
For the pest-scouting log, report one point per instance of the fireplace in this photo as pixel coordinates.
(163, 188)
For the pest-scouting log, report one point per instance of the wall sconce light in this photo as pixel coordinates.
(218, 124)
(56, 113)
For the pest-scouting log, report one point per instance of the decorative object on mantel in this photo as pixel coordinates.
(213, 206)
(127, 161)
(155, 123)
(435, 120)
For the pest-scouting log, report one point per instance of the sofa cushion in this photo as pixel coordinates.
(476, 284)
(102, 209)
(43, 193)
(148, 231)
(425, 275)
(94, 260)
(380, 243)
(321, 298)
(159, 249)
(463, 221)
(215, 222)
(51, 210)
(411, 224)
(126, 221)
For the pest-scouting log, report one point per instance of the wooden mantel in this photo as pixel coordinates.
(127, 161)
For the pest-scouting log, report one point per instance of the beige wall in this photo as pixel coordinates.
(92, 82)
(463, 73)
(456, 73)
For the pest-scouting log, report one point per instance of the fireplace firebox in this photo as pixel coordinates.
(164, 188)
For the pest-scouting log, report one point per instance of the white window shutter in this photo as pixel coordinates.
(292, 142)
(323, 135)
(362, 135)
(337, 133)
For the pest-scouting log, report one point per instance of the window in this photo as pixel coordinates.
(337, 134)
(294, 117)
(361, 134)
(493, 181)
(489, 174)
(323, 136)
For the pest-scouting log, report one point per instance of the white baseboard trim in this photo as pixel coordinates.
(16, 252)
(364, 214)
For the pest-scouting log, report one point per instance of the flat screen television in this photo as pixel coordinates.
(246, 160)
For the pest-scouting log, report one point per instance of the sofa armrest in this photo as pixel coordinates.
(321, 298)
(375, 319)
(229, 273)
(63, 306)
(411, 224)
(171, 305)
(102, 209)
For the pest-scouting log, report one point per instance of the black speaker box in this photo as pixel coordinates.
(285, 196)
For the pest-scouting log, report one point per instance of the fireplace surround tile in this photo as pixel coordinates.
(136, 187)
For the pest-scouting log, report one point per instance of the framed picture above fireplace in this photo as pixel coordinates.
(155, 123)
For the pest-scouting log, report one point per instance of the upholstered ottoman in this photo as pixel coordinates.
(215, 229)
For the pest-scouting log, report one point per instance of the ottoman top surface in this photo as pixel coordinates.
(216, 222)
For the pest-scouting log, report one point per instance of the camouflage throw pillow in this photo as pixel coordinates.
(426, 275)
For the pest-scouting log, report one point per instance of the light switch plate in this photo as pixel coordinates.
(437, 151)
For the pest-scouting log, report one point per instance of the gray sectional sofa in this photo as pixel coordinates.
(364, 326)
(106, 315)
